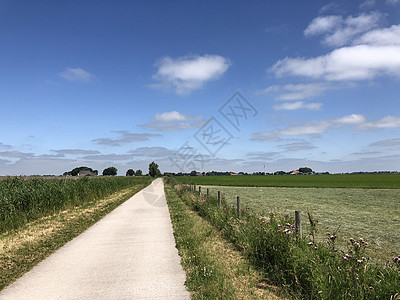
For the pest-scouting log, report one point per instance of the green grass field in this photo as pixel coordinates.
(318, 270)
(369, 181)
(373, 214)
(356, 205)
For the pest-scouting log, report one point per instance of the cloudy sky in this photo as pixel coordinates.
(205, 85)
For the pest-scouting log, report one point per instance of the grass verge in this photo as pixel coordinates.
(22, 249)
(215, 270)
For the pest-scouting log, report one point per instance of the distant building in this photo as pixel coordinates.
(295, 172)
(86, 173)
(233, 174)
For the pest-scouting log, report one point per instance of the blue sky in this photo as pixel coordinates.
(124, 83)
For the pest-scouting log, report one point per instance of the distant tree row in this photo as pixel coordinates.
(301, 171)
(131, 172)
(153, 171)
(85, 171)
(112, 171)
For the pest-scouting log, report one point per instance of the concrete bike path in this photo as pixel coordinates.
(129, 254)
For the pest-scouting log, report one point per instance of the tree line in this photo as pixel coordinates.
(113, 171)
(154, 171)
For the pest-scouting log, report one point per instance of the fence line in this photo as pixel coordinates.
(297, 213)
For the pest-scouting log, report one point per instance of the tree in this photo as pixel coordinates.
(305, 170)
(139, 172)
(153, 170)
(130, 172)
(111, 171)
(280, 173)
(193, 173)
(76, 171)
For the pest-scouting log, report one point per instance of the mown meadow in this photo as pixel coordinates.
(362, 205)
(305, 268)
(369, 181)
(371, 214)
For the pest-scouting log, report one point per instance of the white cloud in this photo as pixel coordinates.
(108, 157)
(298, 145)
(332, 6)
(354, 121)
(386, 122)
(297, 91)
(5, 146)
(174, 116)
(322, 25)
(359, 62)
(265, 136)
(75, 151)
(338, 31)
(154, 152)
(172, 126)
(15, 154)
(389, 144)
(350, 119)
(189, 73)
(367, 4)
(270, 89)
(381, 37)
(262, 156)
(76, 74)
(393, 2)
(309, 128)
(366, 152)
(125, 138)
(174, 121)
(297, 105)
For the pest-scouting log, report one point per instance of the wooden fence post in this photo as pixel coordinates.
(297, 221)
(219, 198)
(194, 188)
(238, 205)
(199, 190)
(208, 192)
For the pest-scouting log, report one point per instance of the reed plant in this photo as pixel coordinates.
(23, 200)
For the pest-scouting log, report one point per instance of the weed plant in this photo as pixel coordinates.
(307, 269)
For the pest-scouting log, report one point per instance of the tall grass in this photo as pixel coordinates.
(24, 200)
(306, 269)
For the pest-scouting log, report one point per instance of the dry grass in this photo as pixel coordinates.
(44, 228)
(248, 283)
